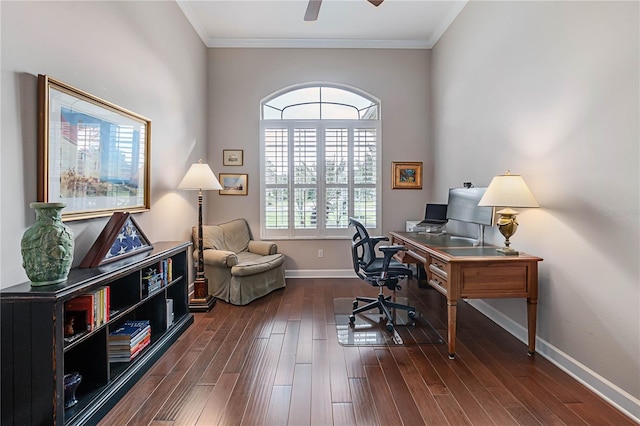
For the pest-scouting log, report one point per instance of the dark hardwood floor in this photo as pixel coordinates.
(277, 361)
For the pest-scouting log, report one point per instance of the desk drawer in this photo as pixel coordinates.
(439, 267)
(438, 283)
(438, 274)
(496, 280)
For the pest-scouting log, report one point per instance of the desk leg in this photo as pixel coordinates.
(532, 315)
(452, 309)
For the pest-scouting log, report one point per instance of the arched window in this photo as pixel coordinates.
(320, 146)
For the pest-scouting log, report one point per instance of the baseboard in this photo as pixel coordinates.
(320, 273)
(622, 400)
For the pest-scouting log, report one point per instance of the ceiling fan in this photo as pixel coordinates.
(313, 8)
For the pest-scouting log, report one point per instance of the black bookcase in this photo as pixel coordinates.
(35, 355)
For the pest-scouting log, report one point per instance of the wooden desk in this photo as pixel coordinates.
(458, 270)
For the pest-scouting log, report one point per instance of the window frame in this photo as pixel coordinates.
(321, 125)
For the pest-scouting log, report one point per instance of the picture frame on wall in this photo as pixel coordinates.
(234, 183)
(406, 175)
(92, 155)
(232, 157)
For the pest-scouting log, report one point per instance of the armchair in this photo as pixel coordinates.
(379, 272)
(239, 268)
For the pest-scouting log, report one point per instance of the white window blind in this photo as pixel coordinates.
(317, 172)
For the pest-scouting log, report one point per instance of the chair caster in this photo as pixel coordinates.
(389, 326)
(355, 305)
(352, 319)
(412, 314)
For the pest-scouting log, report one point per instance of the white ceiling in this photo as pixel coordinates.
(400, 24)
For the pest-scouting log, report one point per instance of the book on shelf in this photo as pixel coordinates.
(129, 340)
(130, 356)
(117, 341)
(130, 329)
(129, 350)
(83, 303)
(95, 304)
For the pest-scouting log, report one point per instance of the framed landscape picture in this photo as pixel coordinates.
(92, 155)
(232, 157)
(234, 183)
(407, 175)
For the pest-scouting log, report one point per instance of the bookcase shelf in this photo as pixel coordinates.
(36, 356)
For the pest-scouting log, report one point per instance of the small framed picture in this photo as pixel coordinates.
(407, 175)
(234, 183)
(232, 157)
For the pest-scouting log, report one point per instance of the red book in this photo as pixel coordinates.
(83, 303)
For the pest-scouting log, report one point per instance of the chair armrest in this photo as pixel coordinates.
(220, 258)
(388, 252)
(392, 249)
(262, 247)
(376, 240)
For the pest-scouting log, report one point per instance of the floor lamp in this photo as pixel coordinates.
(200, 177)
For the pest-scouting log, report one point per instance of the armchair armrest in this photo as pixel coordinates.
(262, 247)
(220, 258)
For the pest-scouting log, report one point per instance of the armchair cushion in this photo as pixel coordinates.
(221, 258)
(239, 268)
(264, 248)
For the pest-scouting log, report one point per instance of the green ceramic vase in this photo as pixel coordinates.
(47, 246)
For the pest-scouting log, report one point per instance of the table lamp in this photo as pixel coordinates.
(200, 177)
(508, 191)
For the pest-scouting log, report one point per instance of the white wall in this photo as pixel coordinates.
(550, 90)
(142, 56)
(240, 78)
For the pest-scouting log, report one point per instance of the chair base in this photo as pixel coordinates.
(384, 305)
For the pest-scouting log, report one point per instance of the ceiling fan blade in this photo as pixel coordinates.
(313, 8)
(376, 3)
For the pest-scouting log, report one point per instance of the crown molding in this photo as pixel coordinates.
(306, 43)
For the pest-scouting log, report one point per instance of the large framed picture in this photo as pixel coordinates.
(92, 155)
(234, 183)
(232, 157)
(407, 175)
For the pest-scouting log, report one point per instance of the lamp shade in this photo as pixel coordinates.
(508, 191)
(200, 177)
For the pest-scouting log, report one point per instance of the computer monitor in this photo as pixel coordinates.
(434, 214)
(463, 206)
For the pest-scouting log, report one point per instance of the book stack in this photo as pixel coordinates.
(128, 341)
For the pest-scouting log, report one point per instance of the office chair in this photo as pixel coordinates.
(378, 271)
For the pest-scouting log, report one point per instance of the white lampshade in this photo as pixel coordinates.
(508, 191)
(200, 177)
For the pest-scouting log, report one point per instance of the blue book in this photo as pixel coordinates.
(129, 330)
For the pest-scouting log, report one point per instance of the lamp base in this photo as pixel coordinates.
(508, 251)
(202, 301)
(202, 305)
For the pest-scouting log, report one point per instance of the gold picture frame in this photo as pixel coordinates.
(407, 175)
(92, 155)
(232, 157)
(234, 183)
